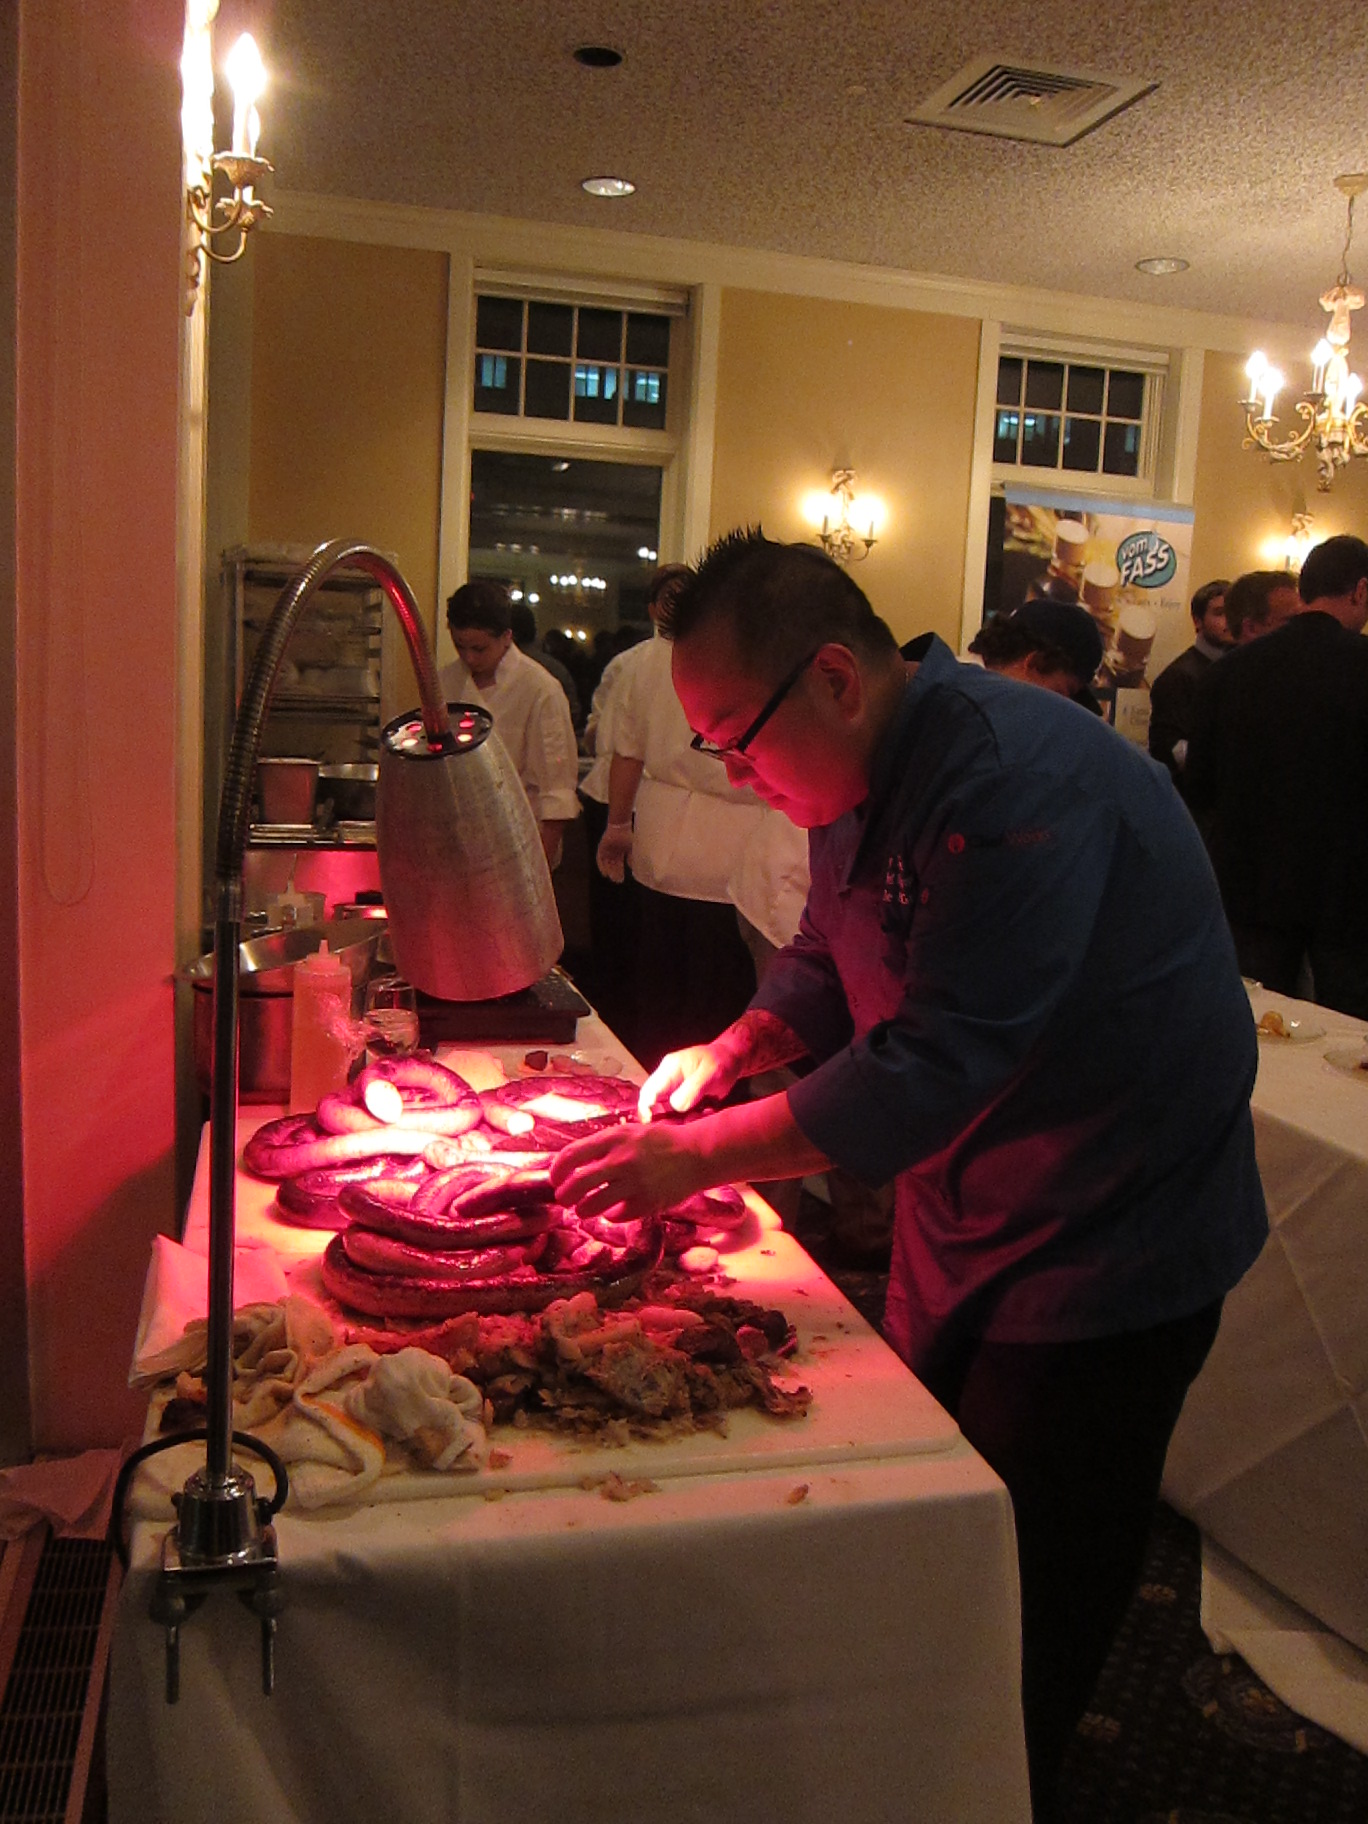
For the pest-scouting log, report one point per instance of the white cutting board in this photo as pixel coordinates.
(866, 1404)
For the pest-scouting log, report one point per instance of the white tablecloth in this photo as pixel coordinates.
(1270, 1457)
(800, 1623)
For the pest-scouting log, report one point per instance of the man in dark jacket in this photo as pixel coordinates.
(1015, 983)
(1277, 774)
(1175, 689)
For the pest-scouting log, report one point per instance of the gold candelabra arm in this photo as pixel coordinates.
(215, 220)
(1259, 431)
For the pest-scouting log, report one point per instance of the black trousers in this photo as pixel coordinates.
(612, 930)
(693, 975)
(1078, 1432)
(1338, 966)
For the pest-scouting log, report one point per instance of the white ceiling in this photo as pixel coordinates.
(779, 124)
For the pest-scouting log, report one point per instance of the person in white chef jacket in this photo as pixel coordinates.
(684, 827)
(530, 711)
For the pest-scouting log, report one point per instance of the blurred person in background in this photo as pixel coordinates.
(1174, 692)
(1055, 645)
(530, 711)
(524, 621)
(673, 817)
(1277, 776)
(1259, 602)
(612, 891)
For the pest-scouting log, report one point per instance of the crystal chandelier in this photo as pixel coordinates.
(1334, 423)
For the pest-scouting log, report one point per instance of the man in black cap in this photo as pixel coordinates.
(1052, 644)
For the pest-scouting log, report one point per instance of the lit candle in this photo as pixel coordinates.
(1320, 358)
(247, 75)
(1269, 382)
(1254, 367)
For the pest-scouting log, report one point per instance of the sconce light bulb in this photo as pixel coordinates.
(245, 71)
(1256, 364)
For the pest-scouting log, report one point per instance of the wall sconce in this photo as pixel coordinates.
(1299, 541)
(219, 226)
(848, 522)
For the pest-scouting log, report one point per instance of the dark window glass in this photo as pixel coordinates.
(648, 340)
(643, 401)
(1121, 451)
(600, 335)
(596, 394)
(1125, 396)
(496, 383)
(1085, 389)
(1045, 385)
(498, 323)
(548, 390)
(1005, 437)
(1009, 380)
(1040, 439)
(550, 329)
(1082, 443)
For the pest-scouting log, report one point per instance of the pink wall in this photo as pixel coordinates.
(99, 303)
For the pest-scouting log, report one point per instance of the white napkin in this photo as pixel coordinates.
(176, 1291)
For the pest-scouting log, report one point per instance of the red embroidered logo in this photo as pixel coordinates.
(955, 843)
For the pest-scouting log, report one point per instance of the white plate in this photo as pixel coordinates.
(1348, 1059)
(1299, 1032)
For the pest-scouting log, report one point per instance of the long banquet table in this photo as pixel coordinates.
(1270, 1456)
(802, 1619)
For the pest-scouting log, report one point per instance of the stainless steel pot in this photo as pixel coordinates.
(266, 999)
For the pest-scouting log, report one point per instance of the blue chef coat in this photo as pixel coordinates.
(1015, 973)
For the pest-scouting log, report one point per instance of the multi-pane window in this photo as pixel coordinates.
(578, 363)
(1075, 416)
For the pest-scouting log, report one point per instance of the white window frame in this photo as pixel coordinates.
(1154, 363)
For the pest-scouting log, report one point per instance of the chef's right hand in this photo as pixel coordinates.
(683, 1078)
(615, 845)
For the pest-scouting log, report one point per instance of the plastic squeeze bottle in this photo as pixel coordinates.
(320, 1056)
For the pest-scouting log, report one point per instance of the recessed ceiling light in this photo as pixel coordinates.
(597, 56)
(608, 186)
(1161, 266)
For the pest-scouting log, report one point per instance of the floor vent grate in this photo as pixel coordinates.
(1037, 102)
(56, 1676)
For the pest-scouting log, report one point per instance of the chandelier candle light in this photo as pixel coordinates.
(1334, 422)
(219, 226)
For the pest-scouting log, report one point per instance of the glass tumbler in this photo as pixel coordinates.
(391, 1018)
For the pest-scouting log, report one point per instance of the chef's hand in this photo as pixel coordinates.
(615, 845)
(628, 1172)
(683, 1078)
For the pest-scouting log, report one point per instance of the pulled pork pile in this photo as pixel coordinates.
(641, 1370)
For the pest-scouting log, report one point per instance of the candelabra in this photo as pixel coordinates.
(1334, 423)
(841, 512)
(220, 223)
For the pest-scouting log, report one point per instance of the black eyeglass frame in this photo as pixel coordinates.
(701, 744)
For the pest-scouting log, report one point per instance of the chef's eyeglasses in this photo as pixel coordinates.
(701, 745)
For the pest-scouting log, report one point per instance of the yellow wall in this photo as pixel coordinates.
(804, 385)
(348, 390)
(1243, 503)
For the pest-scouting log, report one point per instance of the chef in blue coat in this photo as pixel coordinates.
(1018, 993)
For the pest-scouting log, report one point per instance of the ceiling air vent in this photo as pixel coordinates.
(1019, 101)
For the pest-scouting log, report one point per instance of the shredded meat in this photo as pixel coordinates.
(677, 1359)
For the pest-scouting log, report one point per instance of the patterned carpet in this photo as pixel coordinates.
(1176, 1734)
